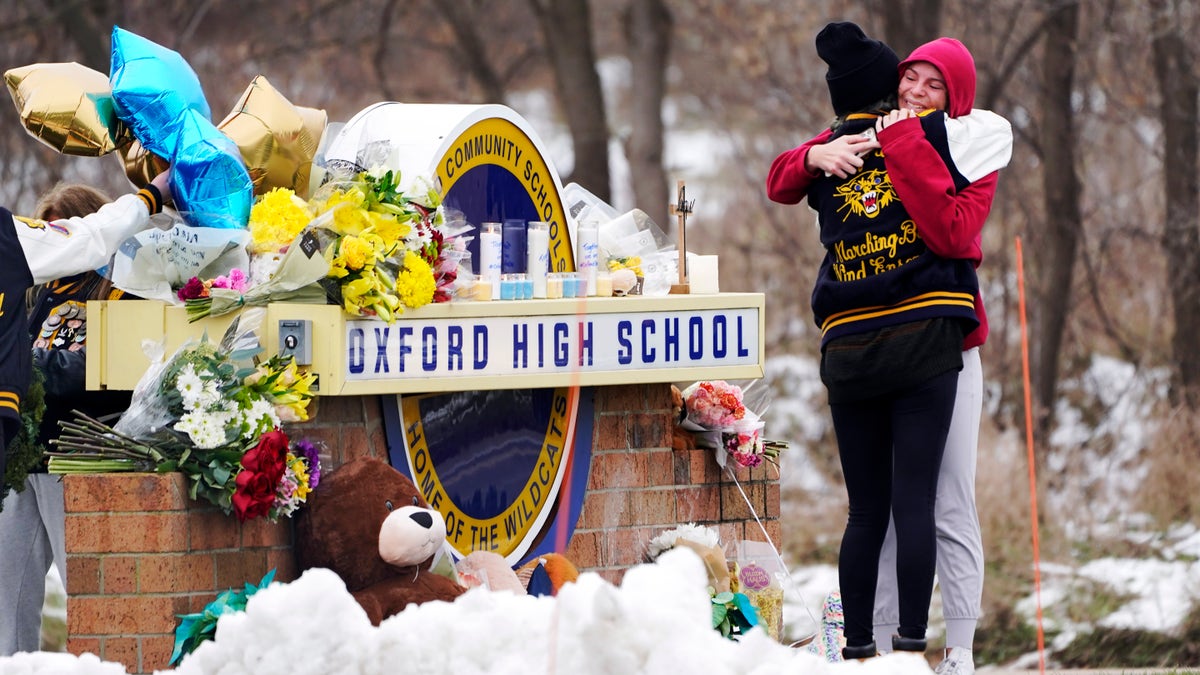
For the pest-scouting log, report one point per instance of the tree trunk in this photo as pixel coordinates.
(1064, 219)
(908, 25)
(86, 27)
(567, 33)
(648, 31)
(464, 20)
(1175, 71)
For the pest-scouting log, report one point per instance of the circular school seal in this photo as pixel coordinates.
(507, 468)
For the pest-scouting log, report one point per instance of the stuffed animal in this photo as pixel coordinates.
(488, 569)
(547, 573)
(368, 523)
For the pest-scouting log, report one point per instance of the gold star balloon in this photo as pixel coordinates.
(67, 106)
(277, 140)
(141, 165)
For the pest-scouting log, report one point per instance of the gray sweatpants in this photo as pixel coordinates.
(959, 540)
(32, 536)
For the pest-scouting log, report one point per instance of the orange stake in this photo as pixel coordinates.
(1037, 560)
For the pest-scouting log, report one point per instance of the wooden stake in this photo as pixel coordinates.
(681, 208)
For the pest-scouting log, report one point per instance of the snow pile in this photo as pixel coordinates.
(657, 621)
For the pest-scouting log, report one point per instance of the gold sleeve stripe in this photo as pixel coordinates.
(11, 401)
(151, 197)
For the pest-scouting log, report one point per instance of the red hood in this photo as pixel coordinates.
(958, 69)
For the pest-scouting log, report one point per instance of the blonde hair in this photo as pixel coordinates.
(72, 200)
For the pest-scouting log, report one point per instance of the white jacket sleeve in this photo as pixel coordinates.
(74, 245)
(980, 142)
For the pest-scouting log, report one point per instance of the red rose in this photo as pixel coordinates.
(254, 496)
(263, 467)
(269, 457)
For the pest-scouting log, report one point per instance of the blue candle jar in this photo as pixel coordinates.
(512, 257)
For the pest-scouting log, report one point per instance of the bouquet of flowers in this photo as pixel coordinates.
(214, 415)
(716, 412)
(381, 243)
(284, 264)
(715, 404)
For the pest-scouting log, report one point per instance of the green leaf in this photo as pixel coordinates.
(719, 614)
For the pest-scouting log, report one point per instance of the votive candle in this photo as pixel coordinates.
(490, 251)
(537, 248)
(603, 285)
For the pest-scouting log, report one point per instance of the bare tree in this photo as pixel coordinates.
(567, 32)
(471, 53)
(1175, 71)
(909, 23)
(648, 27)
(1055, 256)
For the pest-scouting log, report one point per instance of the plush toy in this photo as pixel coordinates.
(368, 523)
(488, 569)
(546, 574)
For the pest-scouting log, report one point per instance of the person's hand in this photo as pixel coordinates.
(163, 184)
(893, 117)
(841, 157)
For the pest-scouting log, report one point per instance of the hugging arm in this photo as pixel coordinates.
(788, 180)
(946, 192)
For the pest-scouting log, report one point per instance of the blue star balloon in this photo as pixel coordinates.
(209, 181)
(152, 86)
(158, 96)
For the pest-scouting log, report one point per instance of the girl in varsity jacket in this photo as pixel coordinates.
(40, 251)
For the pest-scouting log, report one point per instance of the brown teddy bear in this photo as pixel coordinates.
(368, 523)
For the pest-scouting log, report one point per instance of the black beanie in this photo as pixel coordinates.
(861, 71)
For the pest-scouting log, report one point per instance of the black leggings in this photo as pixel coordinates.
(891, 450)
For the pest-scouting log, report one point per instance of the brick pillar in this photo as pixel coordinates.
(643, 483)
(348, 426)
(140, 551)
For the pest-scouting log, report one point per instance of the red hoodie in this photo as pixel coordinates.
(950, 221)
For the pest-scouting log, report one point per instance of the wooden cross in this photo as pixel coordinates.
(680, 209)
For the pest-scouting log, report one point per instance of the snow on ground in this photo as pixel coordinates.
(656, 622)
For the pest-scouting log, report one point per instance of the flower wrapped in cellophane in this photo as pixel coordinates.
(211, 413)
(717, 415)
(387, 249)
(285, 262)
(714, 404)
(276, 219)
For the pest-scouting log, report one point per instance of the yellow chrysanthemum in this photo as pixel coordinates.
(275, 220)
(415, 283)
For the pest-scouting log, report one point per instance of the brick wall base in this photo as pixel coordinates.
(140, 552)
(647, 477)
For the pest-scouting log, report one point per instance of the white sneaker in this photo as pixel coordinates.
(957, 662)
